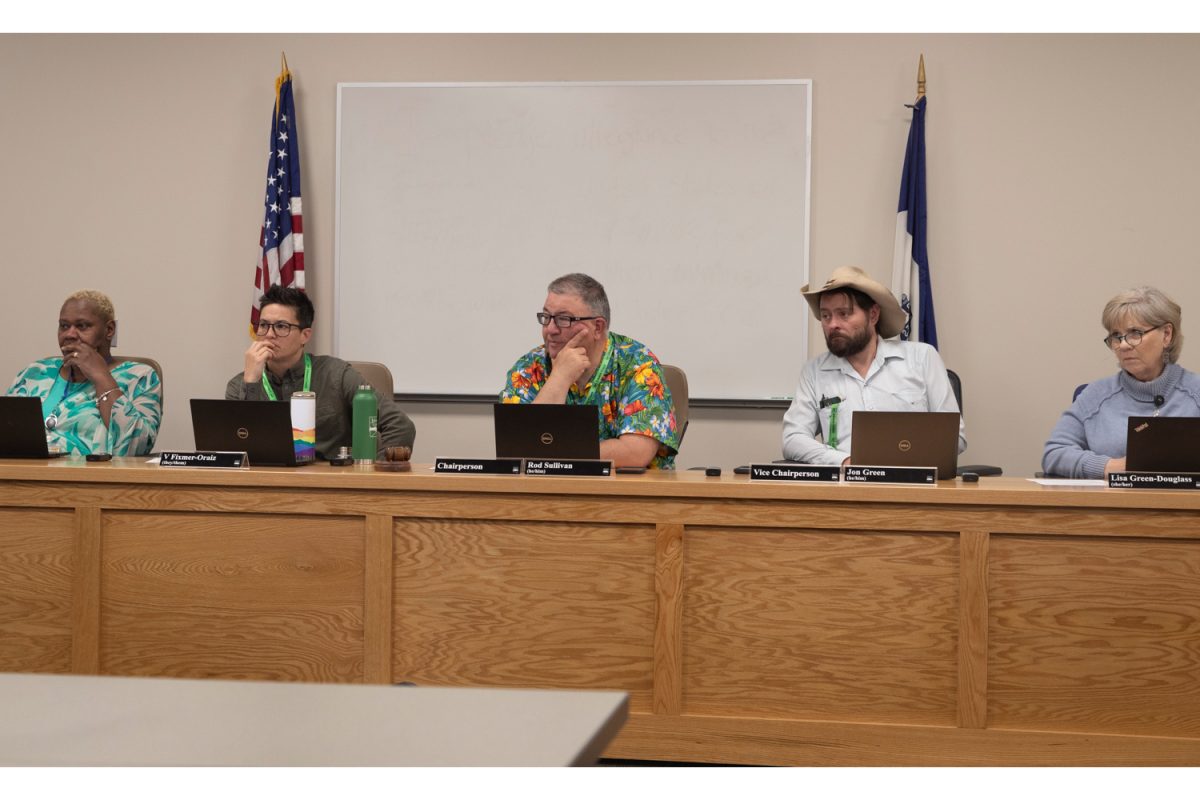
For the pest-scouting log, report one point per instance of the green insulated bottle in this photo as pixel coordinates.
(366, 418)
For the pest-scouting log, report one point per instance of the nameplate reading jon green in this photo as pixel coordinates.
(478, 466)
(804, 473)
(214, 459)
(1153, 480)
(922, 476)
(569, 467)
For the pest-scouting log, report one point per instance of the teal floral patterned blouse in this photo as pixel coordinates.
(78, 428)
(632, 396)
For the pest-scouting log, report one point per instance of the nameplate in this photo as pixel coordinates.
(588, 467)
(805, 473)
(478, 466)
(923, 476)
(215, 459)
(1153, 480)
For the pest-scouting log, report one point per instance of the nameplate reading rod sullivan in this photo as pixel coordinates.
(571, 467)
(805, 473)
(214, 459)
(478, 466)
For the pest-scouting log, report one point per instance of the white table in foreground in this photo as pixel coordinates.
(72, 720)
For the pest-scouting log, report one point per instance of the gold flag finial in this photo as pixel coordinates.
(284, 74)
(921, 77)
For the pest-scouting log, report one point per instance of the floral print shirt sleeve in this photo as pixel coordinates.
(133, 422)
(631, 395)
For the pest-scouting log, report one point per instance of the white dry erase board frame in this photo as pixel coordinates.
(458, 203)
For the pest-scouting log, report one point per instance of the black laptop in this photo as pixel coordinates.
(906, 439)
(1163, 444)
(262, 428)
(546, 431)
(22, 429)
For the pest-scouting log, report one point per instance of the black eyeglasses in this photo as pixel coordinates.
(281, 328)
(1133, 338)
(561, 320)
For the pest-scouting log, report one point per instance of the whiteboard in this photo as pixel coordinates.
(458, 203)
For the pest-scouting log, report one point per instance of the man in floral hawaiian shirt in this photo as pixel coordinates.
(582, 362)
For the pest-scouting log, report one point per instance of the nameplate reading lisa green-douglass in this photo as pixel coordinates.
(1153, 480)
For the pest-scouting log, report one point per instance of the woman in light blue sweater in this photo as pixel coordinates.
(1144, 333)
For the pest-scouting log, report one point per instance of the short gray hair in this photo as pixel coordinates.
(587, 289)
(1150, 306)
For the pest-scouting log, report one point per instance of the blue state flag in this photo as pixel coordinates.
(910, 264)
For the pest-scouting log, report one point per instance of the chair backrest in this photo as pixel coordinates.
(956, 387)
(376, 374)
(677, 382)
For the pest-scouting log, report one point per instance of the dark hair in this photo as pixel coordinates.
(587, 289)
(294, 299)
(858, 298)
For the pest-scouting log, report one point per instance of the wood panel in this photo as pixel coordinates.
(973, 629)
(1000, 623)
(668, 621)
(232, 596)
(36, 559)
(821, 625)
(1095, 635)
(497, 604)
(759, 740)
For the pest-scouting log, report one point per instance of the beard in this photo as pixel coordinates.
(846, 346)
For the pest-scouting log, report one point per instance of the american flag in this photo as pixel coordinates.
(282, 236)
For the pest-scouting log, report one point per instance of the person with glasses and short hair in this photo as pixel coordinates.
(582, 362)
(1144, 332)
(276, 365)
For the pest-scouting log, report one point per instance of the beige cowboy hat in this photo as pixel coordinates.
(891, 315)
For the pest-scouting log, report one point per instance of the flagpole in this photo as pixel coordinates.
(921, 77)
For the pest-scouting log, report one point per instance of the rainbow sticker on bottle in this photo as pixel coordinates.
(304, 425)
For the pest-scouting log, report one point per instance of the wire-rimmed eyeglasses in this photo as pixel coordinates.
(1133, 338)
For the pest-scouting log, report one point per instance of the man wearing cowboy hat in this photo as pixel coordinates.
(863, 370)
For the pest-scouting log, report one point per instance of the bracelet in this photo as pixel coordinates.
(104, 396)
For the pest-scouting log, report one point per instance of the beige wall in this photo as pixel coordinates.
(1061, 169)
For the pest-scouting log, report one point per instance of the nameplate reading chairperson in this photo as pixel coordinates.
(477, 466)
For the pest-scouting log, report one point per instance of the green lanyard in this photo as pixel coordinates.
(833, 438)
(307, 378)
(601, 371)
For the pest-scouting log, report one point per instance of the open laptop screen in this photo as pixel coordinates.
(1163, 444)
(546, 431)
(261, 428)
(906, 439)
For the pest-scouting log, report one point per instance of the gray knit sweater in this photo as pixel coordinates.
(1094, 428)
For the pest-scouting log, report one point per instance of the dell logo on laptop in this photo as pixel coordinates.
(547, 438)
(905, 445)
(242, 433)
